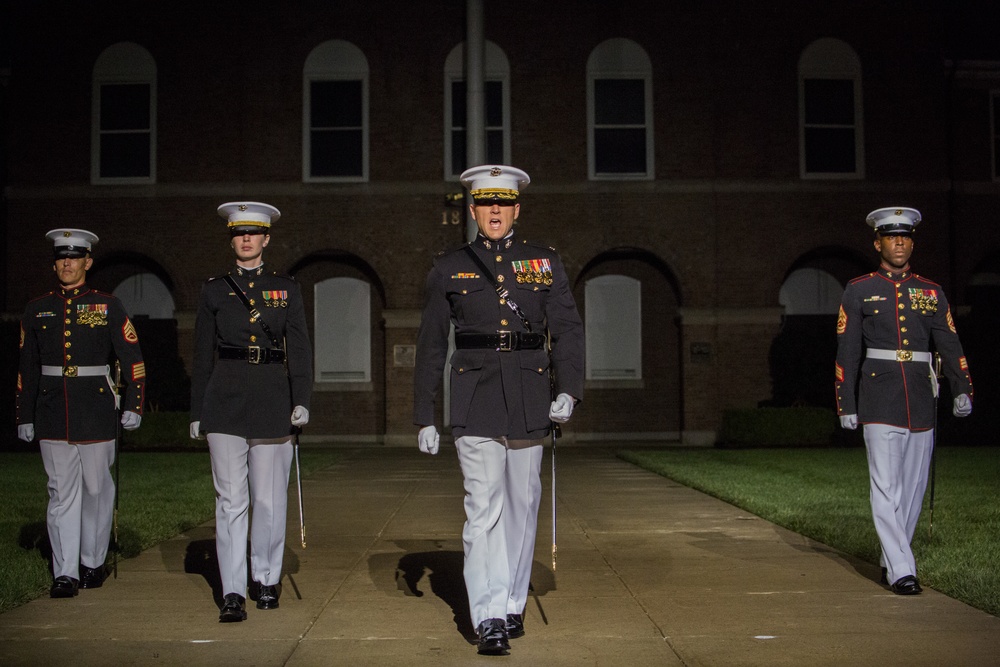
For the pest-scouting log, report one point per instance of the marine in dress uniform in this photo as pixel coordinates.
(67, 399)
(250, 392)
(501, 397)
(885, 380)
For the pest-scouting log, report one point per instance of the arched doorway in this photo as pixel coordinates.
(629, 300)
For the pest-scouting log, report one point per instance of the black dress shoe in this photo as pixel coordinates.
(515, 626)
(92, 577)
(907, 585)
(267, 597)
(233, 609)
(884, 579)
(492, 637)
(64, 587)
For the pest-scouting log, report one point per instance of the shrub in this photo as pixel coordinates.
(775, 427)
(162, 430)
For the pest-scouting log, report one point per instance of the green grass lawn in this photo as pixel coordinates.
(823, 494)
(161, 495)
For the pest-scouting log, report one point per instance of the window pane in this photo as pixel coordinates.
(613, 327)
(494, 146)
(494, 103)
(458, 103)
(619, 151)
(125, 155)
(457, 151)
(336, 153)
(619, 102)
(829, 101)
(335, 104)
(830, 150)
(125, 106)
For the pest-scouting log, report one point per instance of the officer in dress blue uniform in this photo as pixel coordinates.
(67, 399)
(501, 398)
(887, 323)
(250, 392)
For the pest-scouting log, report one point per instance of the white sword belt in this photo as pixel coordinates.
(76, 371)
(899, 355)
(908, 355)
(84, 371)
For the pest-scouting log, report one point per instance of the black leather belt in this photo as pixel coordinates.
(252, 354)
(502, 341)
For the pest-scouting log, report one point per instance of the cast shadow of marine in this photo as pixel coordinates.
(443, 570)
(201, 558)
(35, 537)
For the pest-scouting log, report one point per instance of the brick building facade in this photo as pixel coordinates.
(741, 179)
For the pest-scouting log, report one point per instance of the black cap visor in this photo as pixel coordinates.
(243, 230)
(70, 251)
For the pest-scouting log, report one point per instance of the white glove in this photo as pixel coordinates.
(962, 406)
(429, 440)
(850, 422)
(300, 416)
(130, 420)
(26, 432)
(195, 431)
(561, 408)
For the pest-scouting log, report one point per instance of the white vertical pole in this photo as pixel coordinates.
(475, 100)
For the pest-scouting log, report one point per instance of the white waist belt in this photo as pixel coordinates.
(899, 355)
(76, 371)
(85, 371)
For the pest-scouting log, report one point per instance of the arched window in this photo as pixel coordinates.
(335, 114)
(496, 75)
(613, 325)
(619, 111)
(146, 295)
(831, 140)
(123, 116)
(810, 292)
(343, 330)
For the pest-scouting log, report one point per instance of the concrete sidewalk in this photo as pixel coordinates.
(649, 573)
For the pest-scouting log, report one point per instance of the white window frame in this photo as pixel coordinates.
(124, 63)
(334, 60)
(830, 58)
(145, 294)
(343, 341)
(620, 58)
(613, 328)
(810, 291)
(995, 134)
(496, 68)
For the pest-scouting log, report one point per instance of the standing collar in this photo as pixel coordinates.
(73, 292)
(241, 271)
(506, 243)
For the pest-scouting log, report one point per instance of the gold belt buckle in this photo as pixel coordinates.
(253, 354)
(70, 371)
(506, 341)
(904, 355)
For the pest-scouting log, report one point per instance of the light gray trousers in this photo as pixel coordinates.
(81, 503)
(502, 495)
(250, 473)
(898, 464)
